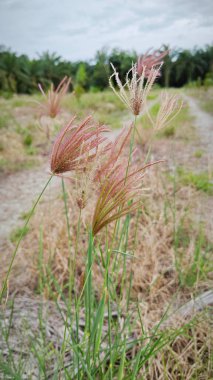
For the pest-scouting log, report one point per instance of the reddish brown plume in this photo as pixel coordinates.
(75, 146)
(53, 98)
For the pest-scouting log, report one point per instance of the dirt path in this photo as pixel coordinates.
(17, 193)
(204, 125)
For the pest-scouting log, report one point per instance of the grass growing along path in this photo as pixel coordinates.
(171, 264)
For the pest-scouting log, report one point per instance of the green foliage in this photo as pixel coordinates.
(22, 75)
(79, 91)
(200, 264)
(208, 81)
(19, 231)
(104, 106)
(12, 166)
(28, 139)
(81, 76)
(168, 131)
(198, 153)
(201, 181)
(4, 121)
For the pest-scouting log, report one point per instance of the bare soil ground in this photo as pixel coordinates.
(17, 193)
(204, 125)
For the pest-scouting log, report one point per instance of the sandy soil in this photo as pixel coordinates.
(17, 193)
(204, 123)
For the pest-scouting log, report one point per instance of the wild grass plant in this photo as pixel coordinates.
(86, 322)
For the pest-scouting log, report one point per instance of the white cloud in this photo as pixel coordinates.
(75, 30)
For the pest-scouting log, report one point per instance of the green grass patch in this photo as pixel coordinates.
(200, 264)
(5, 120)
(19, 102)
(28, 139)
(104, 106)
(200, 181)
(198, 153)
(207, 106)
(17, 232)
(181, 126)
(168, 132)
(8, 167)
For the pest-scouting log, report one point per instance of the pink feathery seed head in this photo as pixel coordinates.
(170, 106)
(134, 92)
(115, 191)
(112, 153)
(76, 145)
(149, 60)
(53, 98)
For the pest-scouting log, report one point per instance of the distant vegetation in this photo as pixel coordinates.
(19, 74)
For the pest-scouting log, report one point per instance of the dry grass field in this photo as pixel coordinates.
(160, 272)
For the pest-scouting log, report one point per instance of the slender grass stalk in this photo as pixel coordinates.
(128, 165)
(89, 296)
(66, 213)
(40, 261)
(69, 238)
(122, 363)
(131, 145)
(72, 266)
(21, 237)
(139, 211)
(72, 285)
(109, 251)
(76, 244)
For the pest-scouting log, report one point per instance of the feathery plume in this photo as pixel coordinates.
(115, 192)
(75, 146)
(149, 60)
(170, 106)
(52, 105)
(135, 91)
(113, 153)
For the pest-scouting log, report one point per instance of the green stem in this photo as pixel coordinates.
(89, 295)
(66, 212)
(131, 146)
(21, 237)
(109, 251)
(128, 164)
(77, 240)
(69, 237)
(74, 270)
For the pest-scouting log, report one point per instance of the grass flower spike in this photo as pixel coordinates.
(75, 146)
(115, 192)
(150, 60)
(135, 90)
(52, 105)
(114, 151)
(170, 106)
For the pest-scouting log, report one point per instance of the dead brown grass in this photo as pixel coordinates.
(157, 259)
(188, 357)
(155, 277)
(155, 281)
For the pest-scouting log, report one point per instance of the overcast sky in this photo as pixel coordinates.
(76, 29)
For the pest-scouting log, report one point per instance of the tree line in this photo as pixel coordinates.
(19, 74)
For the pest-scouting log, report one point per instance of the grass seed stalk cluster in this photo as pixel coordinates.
(101, 337)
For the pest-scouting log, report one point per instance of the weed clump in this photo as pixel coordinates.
(109, 259)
